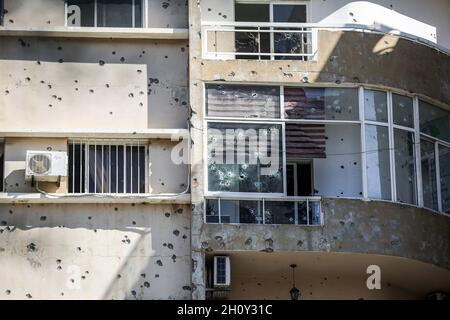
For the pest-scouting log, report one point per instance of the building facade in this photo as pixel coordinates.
(224, 149)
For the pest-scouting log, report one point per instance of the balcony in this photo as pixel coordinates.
(305, 211)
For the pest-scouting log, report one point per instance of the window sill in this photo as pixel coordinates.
(88, 32)
(55, 198)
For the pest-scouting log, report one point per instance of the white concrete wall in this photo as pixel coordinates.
(108, 251)
(421, 17)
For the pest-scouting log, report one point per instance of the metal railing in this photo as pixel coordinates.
(249, 210)
(261, 41)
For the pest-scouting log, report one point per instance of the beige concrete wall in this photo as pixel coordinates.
(15, 163)
(50, 13)
(92, 84)
(94, 251)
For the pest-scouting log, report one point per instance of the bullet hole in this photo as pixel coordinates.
(224, 16)
(184, 237)
(170, 246)
(89, 218)
(388, 284)
(62, 293)
(187, 288)
(166, 57)
(10, 212)
(6, 92)
(147, 284)
(342, 167)
(253, 72)
(167, 215)
(218, 238)
(176, 233)
(91, 90)
(60, 60)
(180, 211)
(79, 248)
(159, 263)
(76, 81)
(43, 218)
(205, 244)
(8, 292)
(133, 292)
(54, 96)
(11, 21)
(28, 79)
(174, 258)
(29, 296)
(154, 80)
(59, 48)
(134, 223)
(143, 275)
(139, 71)
(114, 53)
(116, 209)
(126, 240)
(156, 275)
(59, 268)
(299, 243)
(22, 43)
(122, 59)
(101, 62)
(31, 247)
(58, 261)
(131, 95)
(164, 244)
(342, 139)
(338, 81)
(165, 5)
(119, 276)
(49, 86)
(141, 104)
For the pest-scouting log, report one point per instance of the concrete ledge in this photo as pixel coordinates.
(99, 33)
(25, 198)
(97, 134)
(350, 225)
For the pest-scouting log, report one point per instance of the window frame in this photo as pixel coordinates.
(362, 122)
(144, 15)
(2, 8)
(108, 142)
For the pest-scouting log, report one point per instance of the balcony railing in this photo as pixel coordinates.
(260, 41)
(287, 210)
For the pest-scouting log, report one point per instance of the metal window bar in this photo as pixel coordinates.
(98, 171)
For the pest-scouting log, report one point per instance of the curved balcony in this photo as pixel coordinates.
(350, 226)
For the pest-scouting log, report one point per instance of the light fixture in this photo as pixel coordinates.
(294, 292)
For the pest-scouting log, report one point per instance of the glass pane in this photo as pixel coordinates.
(289, 13)
(321, 103)
(279, 212)
(252, 42)
(80, 13)
(444, 169)
(375, 105)
(428, 174)
(290, 179)
(115, 13)
(212, 211)
(240, 211)
(243, 101)
(339, 173)
(434, 121)
(245, 158)
(378, 164)
(405, 167)
(314, 213)
(403, 111)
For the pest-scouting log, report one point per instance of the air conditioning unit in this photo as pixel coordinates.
(46, 166)
(222, 271)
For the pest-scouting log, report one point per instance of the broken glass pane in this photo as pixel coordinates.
(403, 110)
(428, 174)
(240, 211)
(279, 212)
(405, 166)
(375, 105)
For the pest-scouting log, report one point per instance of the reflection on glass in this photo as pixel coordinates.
(321, 103)
(378, 164)
(240, 211)
(118, 13)
(428, 174)
(403, 112)
(444, 169)
(405, 166)
(434, 121)
(375, 105)
(212, 211)
(242, 101)
(314, 213)
(279, 212)
(245, 158)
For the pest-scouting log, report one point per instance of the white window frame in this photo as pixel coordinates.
(227, 271)
(144, 15)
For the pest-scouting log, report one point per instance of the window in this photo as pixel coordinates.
(266, 40)
(434, 121)
(105, 13)
(2, 162)
(104, 167)
(245, 157)
(299, 178)
(429, 185)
